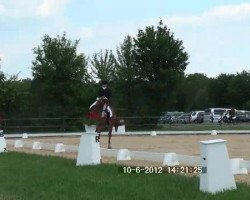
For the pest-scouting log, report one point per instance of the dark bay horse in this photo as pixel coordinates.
(98, 112)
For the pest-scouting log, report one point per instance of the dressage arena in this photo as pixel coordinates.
(237, 145)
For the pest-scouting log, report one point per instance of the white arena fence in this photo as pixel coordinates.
(133, 133)
(164, 158)
(219, 174)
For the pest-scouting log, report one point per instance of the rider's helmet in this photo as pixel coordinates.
(104, 82)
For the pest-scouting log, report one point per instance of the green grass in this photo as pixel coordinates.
(203, 127)
(25, 176)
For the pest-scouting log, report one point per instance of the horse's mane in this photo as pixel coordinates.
(99, 106)
(96, 108)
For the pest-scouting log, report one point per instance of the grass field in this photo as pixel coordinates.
(25, 176)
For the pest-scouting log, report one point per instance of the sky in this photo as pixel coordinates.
(215, 33)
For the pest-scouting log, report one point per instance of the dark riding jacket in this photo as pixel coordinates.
(232, 112)
(106, 93)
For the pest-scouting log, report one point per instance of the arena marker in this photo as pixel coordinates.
(18, 144)
(89, 152)
(170, 159)
(3, 146)
(214, 132)
(59, 148)
(237, 167)
(37, 146)
(219, 176)
(120, 130)
(123, 154)
(153, 133)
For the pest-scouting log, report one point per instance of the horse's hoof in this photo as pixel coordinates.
(109, 146)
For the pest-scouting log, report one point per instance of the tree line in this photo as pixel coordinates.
(146, 75)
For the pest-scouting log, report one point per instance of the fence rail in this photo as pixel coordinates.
(136, 155)
(133, 123)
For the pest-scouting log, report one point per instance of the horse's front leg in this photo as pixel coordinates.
(98, 130)
(110, 134)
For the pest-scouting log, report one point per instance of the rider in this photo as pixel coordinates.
(231, 113)
(104, 91)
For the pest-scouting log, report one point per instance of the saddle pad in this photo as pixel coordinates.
(94, 115)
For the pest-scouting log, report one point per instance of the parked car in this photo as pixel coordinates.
(243, 115)
(169, 117)
(226, 118)
(184, 118)
(197, 116)
(165, 119)
(214, 114)
(200, 117)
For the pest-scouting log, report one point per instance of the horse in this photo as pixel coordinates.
(98, 111)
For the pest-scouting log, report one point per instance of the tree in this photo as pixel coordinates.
(125, 77)
(60, 76)
(7, 94)
(10, 94)
(218, 90)
(160, 63)
(196, 91)
(2, 92)
(246, 105)
(238, 92)
(103, 65)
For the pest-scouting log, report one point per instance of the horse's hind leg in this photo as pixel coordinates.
(109, 145)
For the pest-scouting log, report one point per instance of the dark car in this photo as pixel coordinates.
(243, 116)
(200, 118)
(184, 119)
(165, 119)
(169, 117)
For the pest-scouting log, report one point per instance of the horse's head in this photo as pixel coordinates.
(100, 103)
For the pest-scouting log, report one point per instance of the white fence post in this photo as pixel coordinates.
(2, 142)
(89, 148)
(37, 146)
(153, 133)
(120, 130)
(236, 166)
(214, 132)
(59, 148)
(170, 159)
(219, 176)
(18, 144)
(123, 154)
(25, 135)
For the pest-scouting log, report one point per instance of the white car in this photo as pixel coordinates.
(195, 114)
(214, 114)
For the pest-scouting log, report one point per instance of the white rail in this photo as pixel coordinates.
(208, 132)
(135, 155)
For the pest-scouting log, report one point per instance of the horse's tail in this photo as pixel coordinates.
(119, 122)
(116, 127)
